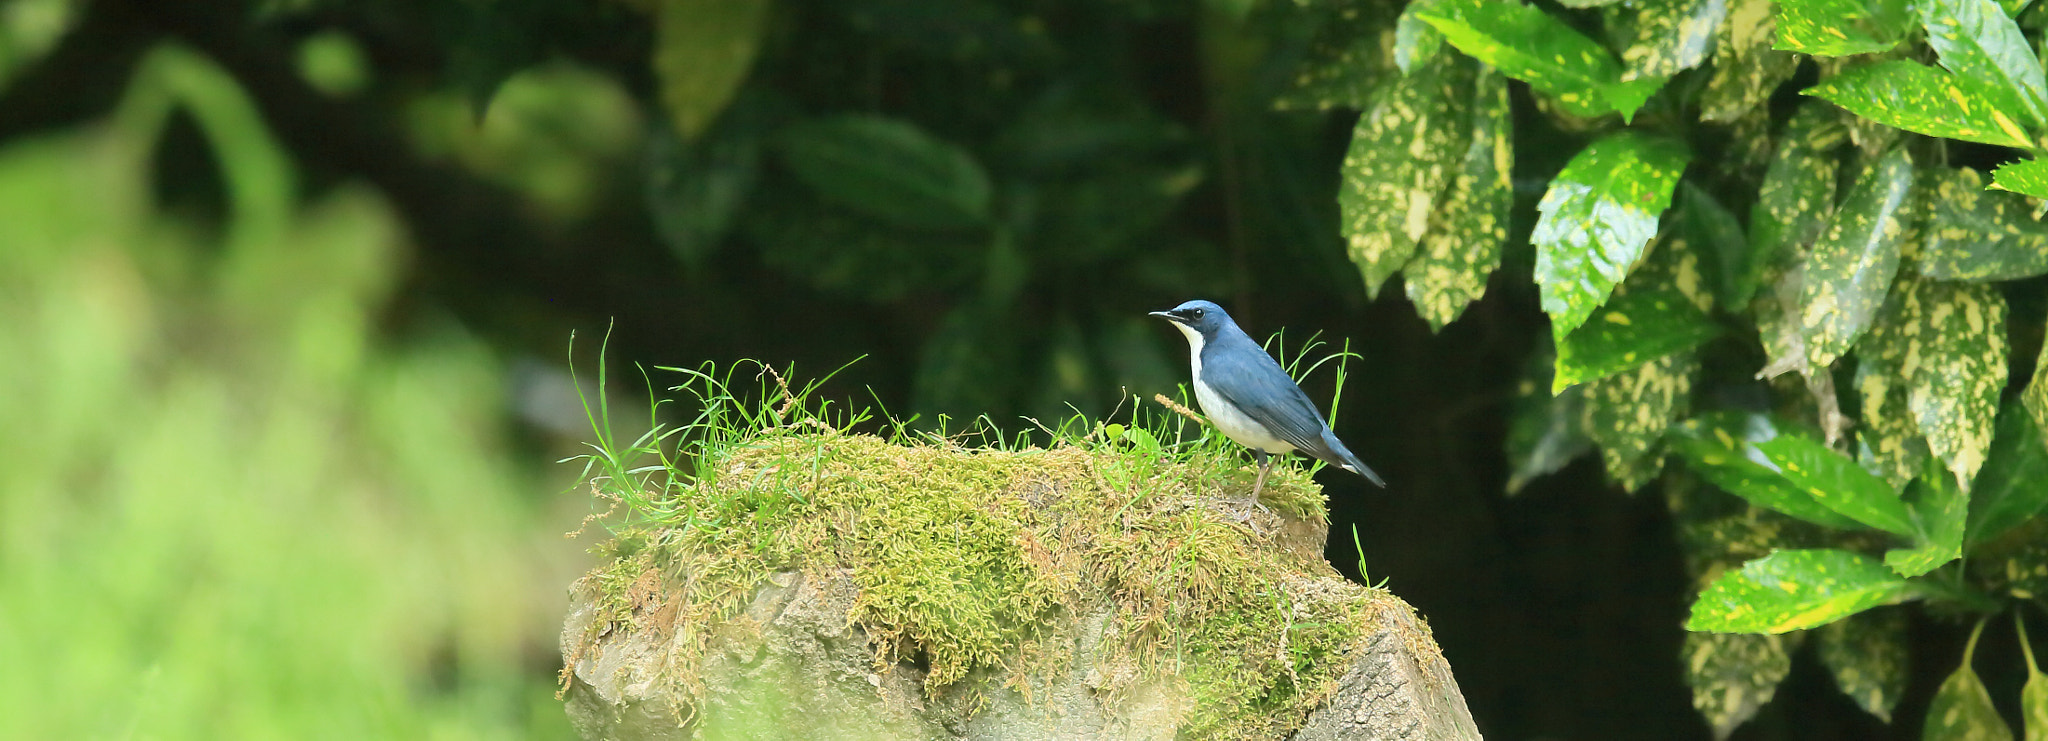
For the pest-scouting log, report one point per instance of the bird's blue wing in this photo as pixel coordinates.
(1244, 375)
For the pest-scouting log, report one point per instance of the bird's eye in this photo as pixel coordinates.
(1196, 313)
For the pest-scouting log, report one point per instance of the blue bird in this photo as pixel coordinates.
(1250, 398)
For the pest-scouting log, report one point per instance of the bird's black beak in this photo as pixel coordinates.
(1168, 316)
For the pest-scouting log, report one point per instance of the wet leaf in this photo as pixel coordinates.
(1853, 260)
(1632, 329)
(1977, 41)
(1545, 431)
(1733, 675)
(1924, 100)
(1940, 508)
(1962, 709)
(1837, 482)
(1795, 590)
(889, 169)
(1672, 36)
(2029, 177)
(1721, 448)
(1714, 229)
(1596, 218)
(702, 51)
(1627, 414)
(1746, 69)
(1947, 341)
(2034, 696)
(1833, 28)
(1888, 439)
(1866, 654)
(1401, 155)
(1972, 234)
(1528, 44)
(1466, 234)
(1415, 42)
(2013, 484)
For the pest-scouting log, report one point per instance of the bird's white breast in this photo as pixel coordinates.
(1233, 423)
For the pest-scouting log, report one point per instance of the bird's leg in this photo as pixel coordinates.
(1265, 465)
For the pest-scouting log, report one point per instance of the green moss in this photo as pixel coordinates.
(964, 556)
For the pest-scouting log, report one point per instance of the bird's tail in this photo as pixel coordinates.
(1345, 460)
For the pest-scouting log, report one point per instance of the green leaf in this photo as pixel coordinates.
(1746, 69)
(1627, 414)
(1733, 675)
(1672, 36)
(1974, 235)
(2029, 177)
(1940, 507)
(1415, 42)
(702, 51)
(695, 191)
(2013, 484)
(1794, 590)
(1545, 431)
(1798, 191)
(1837, 482)
(1947, 341)
(1721, 448)
(1596, 217)
(1867, 655)
(2035, 398)
(1528, 44)
(890, 170)
(1400, 158)
(1833, 28)
(1888, 439)
(1467, 233)
(1962, 709)
(1737, 268)
(1975, 40)
(2034, 696)
(1924, 100)
(1345, 60)
(1633, 329)
(1853, 260)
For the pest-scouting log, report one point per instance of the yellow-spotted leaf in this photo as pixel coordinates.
(2029, 177)
(1632, 329)
(1733, 675)
(2013, 484)
(1962, 709)
(2034, 696)
(1798, 192)
(1627, 414)
(1597, 216)
(1714, 229)
(1344, 62)
(2036, 396)
(1972, 234)
(1837, 482)
(1888, 439)
(1746, 69)
(1721, 448)
(1415, 41)
(1545, 430)
(1528, 44)
(1947, 341)
(1672, 36)
(1466, 234)
(1977, 41)
(1924, 100)
(1832, 28)
(1867, 655)
(1795, 590)
(1401, 156)
(1854, 259)
(702, 52)
(1940, 509)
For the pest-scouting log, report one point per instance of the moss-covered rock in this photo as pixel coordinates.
(825, 585)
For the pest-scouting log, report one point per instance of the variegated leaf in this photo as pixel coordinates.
(1795, 590)
(1597, 216)
(1401, 154)
(1854, 259)
(1746, 69)
(1716, 233)
(1672, 36)
(1626, 414)
(1798, 191)
(1832, 28)
(1867, 655)
(1345, 59)
(1837, 482)
(2036, 396)
(1545, 430)
(1962, 708)
(1977, 41)
(2029, 177)
(1632, 329)
(1971, 234)
(1947, 341)
(1721, 447)
(1888, 439)
(1941, 510)
(1466, 234)
(1527, 44)
(1915, 97)
(1733, 675)
(1415, 42)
